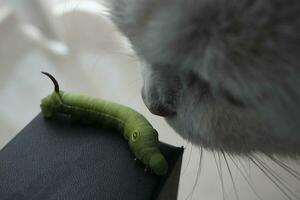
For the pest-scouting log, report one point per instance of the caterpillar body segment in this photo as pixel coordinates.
(141, 136)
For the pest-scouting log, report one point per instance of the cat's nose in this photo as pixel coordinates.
(157, 107)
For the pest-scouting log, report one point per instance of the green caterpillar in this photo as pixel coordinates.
(141, 136)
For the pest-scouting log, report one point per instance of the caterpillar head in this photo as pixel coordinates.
(144, 144)
(158, 164)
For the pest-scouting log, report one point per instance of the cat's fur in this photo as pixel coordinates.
(229, 69)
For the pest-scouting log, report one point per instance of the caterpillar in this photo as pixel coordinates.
(141, 136)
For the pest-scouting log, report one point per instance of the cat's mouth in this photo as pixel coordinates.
(158, 107)
(161, 110)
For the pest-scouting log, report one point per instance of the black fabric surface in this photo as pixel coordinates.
(60, 160)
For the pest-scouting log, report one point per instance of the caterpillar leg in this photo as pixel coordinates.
(146, 169)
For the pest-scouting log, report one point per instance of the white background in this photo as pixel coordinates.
(85, 52)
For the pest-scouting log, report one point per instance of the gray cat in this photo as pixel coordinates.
(225, 74)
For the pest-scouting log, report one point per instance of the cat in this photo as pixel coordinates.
(225, 74)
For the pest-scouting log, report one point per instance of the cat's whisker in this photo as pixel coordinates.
(230, 174)
(269, 176)
(248, 180)
(219, 169)
(198, 173)
(242, 48)
(276, 177)
(247, 171)
(189, 159)
(287, 168)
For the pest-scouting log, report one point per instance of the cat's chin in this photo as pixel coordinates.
(191, 131)
(215, 125)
